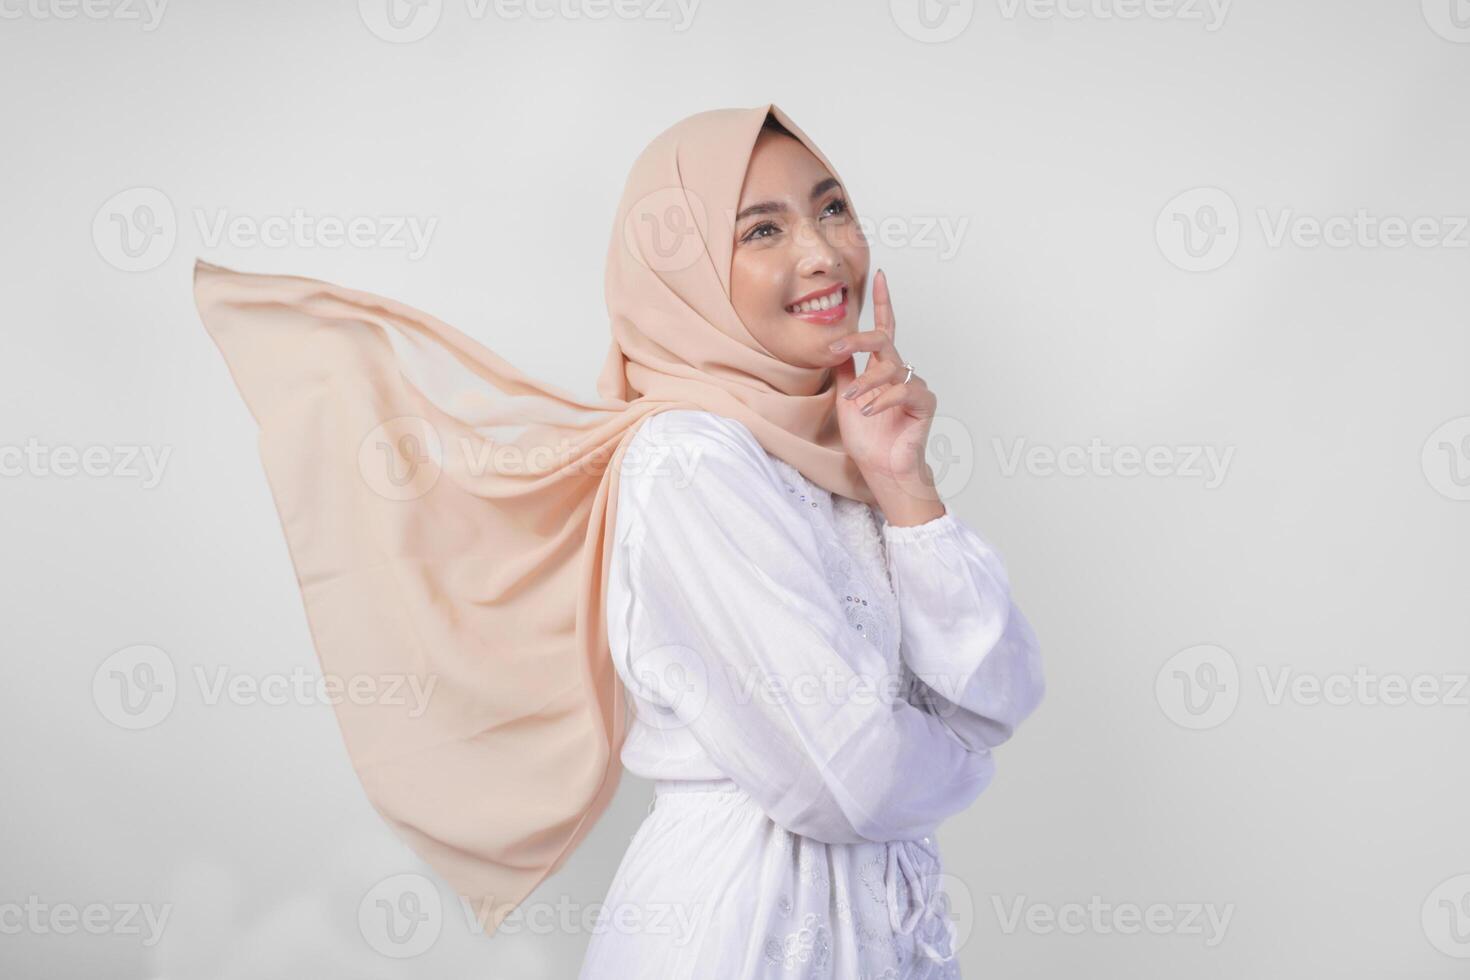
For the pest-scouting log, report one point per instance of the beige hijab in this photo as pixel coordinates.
(450, 519)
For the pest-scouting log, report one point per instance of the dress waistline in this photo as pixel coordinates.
(662, 786)
(918, 905)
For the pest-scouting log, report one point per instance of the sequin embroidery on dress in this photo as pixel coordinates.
(849, 529)
(900, 905)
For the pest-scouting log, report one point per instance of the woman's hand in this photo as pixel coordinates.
(885, 423)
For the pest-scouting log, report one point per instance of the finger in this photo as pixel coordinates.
(872, 341)
(889, 397)
(875, 375)
(920, 401)
(883, 305)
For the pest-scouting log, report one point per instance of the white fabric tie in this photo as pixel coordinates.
(927, 904)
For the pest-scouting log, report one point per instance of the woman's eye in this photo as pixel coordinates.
(840, 204)
(751, 235)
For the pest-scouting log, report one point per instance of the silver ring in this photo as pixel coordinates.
(909, 375)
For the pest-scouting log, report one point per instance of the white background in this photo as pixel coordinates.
(1071, 148)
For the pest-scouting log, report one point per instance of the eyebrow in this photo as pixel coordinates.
(771, 207)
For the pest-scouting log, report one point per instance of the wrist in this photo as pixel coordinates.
(907, 499)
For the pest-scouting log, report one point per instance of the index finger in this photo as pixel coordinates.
(883, 305)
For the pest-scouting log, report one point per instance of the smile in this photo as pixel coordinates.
(826, 307)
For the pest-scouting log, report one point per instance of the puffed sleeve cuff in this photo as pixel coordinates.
(946, 533)
(960, 631)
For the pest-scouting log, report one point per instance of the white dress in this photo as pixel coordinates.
(769, 635)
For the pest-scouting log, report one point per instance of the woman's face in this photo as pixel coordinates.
(796, 235)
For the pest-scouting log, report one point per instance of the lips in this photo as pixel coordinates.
(832, 314)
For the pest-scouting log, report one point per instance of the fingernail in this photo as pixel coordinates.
(852, 390)
(838, 345)
(868, 409)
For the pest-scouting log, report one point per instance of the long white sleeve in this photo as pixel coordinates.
(731, 628)
(962, 635)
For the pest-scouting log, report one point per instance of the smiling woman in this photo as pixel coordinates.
(818, 681)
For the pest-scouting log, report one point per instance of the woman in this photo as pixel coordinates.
(820, 656)
(758, 619)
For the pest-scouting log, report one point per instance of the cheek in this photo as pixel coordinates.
(758, 285)
(856, 255)
(856, 251)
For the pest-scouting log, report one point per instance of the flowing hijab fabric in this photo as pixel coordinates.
(450, 519)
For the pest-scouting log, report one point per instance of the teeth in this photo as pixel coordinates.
(825, 303)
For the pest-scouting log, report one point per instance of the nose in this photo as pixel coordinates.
(817, 255)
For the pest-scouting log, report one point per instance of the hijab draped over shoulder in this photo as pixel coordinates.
(450, 519)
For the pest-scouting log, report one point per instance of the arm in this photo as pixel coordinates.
(734, 631)
(974, 654)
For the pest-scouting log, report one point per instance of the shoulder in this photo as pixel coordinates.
(683, 455)
(691, 435)
(690, 426)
